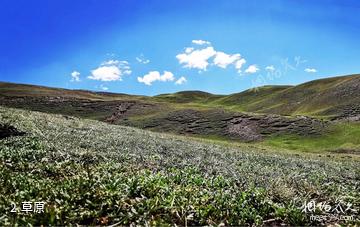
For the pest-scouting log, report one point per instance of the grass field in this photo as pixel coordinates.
(332, 100)
(88, 172)
(320, 98)
(342, 138)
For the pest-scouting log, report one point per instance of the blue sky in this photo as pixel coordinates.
(155, 46)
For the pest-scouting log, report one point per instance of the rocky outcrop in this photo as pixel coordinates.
(120, 111)
(349, 113)
(244, 127)
(160, 117)
(252, 128)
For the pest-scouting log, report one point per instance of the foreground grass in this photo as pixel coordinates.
(90, 172)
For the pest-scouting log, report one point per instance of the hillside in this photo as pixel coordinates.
(293, 113)
(337, 97)
(27, 90)
(249, 98)
(90, 173)
(188, 97)
(330, 97)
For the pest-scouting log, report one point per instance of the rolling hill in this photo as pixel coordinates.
(337, 96)
(307, 110)
(188, 97)
(330, 97)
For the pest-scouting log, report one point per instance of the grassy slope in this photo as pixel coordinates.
(342, 138)
(90, 172)
(199, 97)
(245, 100)
(325, 97)
(14, 90)
(315, 98)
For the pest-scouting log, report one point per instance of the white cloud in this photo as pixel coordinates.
(223, 60)
(102, 87)
(75, 76)
(106, 73)
(270, 68)
(111, 70)
(252, 69)
(310, 70)
(142, 59)
(239, 64)
(153, 76)
(202, 57)
(167, 76)
(200, 42)
(181, 80)
(197, 59)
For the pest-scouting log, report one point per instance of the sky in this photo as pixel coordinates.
(150, 47)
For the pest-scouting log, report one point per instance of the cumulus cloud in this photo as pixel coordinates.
(153, 76)
(106, 73)
(310, 70)
(223, 60)
(180, 81)
(142, 59)
(197, 59)
(202, 57)
(252, 69)
(75, 76)
(270, 68)
(200, 42)
(111, 70)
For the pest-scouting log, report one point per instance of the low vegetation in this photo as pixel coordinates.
(343, 138)
(88, 172)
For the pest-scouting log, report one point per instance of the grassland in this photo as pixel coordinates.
(342, 138)
(329, 98)
(321, 98)
(324, 98)
(89, 173)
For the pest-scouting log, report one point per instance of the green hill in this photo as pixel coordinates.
(27, 90)
(335, 96)
(246, 99)
(188, 97)
(330, 97)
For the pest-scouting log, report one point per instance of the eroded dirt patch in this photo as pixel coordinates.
(233, 125)
(162, 118)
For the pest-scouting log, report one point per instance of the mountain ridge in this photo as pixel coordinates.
(328, 97)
